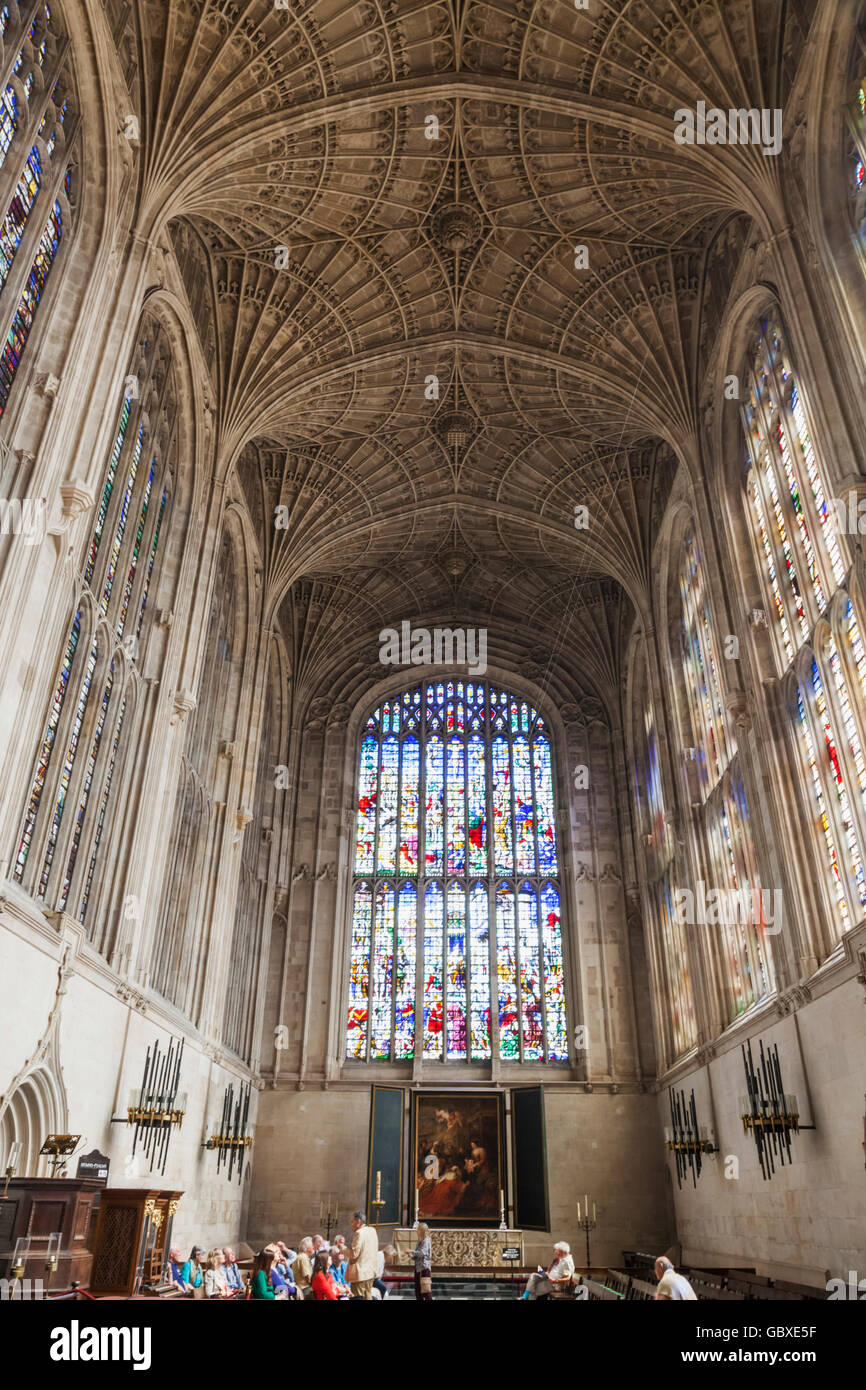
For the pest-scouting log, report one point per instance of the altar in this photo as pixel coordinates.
(461, 1249)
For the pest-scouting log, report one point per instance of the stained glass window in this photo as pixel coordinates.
(76, 765)
(720, 823)
(700, 665)
(792, 519)
(456, 936)
(677, 1000)
(16, 218)
(8, 121)
(29, 302)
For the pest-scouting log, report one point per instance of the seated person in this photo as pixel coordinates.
(338, 1267)
(262, 1282)
(215, 1285)
(175, 1269)
(193, 1271)
(235, 1282)
(281, 1280)
(302, 1270)
(324, 1287)
(560, 1273)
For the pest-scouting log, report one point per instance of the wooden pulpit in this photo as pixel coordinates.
(133, 1238)
(36, 1208)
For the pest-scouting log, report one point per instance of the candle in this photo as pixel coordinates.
(593, 1211)
(378, 1184)
(502, 1198)
(578, 1213)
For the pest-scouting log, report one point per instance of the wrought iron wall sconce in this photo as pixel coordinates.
(684, 1138)
(771, 1115)
(232, 1139)
(157, 1107)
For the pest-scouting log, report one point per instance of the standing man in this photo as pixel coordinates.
(671, 1284)
(363, 1258)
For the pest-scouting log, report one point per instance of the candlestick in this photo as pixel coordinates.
(587, 1223)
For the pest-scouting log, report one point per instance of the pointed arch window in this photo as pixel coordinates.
(98, 680)
(816, 624)
(37, 218)
(793, 523)
(675, 1003)
(456, 927)
(720, 821)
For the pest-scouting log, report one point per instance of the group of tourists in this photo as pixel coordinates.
(319, 1270)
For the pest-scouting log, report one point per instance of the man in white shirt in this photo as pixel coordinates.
(560, 1272)
(671, 1284)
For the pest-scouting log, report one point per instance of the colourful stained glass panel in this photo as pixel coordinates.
(365, 834)
(382, 969)
(503, 848)
(476, 794)
(455, 834)
(408, 862)
(389, 769)
(823, 819)
(524, 826)
(544, 806)
(479, 976)
(554, 975)
(506, 969)
(434, 925)
(456, 984)
(532, 1018)
(446, 762)
(22, 322)
(435, 806)
(359, 972)
(16, 218)
(404, 979)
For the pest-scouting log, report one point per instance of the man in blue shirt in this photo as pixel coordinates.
(234, 1278)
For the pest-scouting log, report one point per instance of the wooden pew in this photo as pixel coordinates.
(598, 1292)
(639, 1290)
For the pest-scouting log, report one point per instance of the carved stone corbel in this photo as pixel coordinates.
(184, 702)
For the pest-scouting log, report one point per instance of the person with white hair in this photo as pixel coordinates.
(671, 1284)
(561, 1271)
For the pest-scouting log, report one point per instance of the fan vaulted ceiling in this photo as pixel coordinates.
(409, 258)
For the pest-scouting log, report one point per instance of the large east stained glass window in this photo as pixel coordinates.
(456, 936)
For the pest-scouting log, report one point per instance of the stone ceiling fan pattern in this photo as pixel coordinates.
(457, 261)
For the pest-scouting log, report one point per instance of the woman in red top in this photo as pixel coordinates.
(324, 1288)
